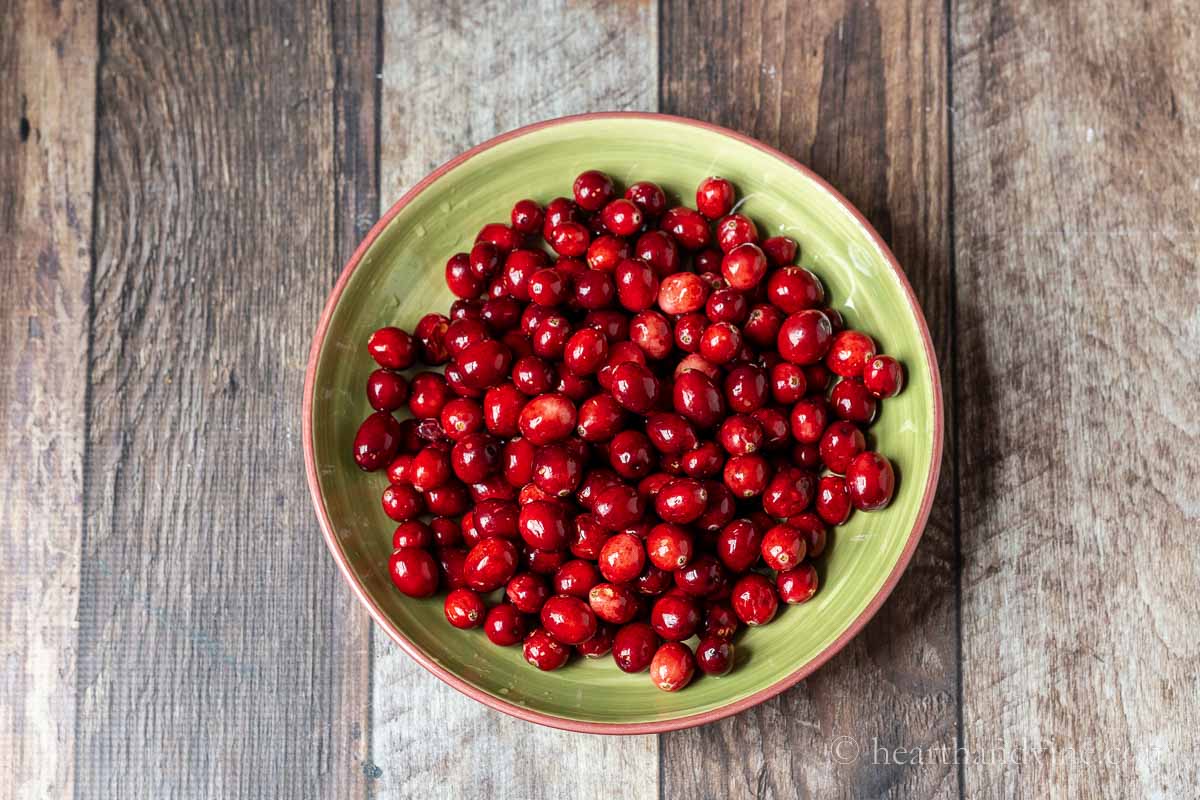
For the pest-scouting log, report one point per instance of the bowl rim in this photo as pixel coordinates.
(565, 723)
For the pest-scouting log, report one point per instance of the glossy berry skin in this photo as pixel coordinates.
(504, 625)
(653, 581)
(804, 337)
(840, 443)
(789, 492)
(672, 667)
(503, 237)
(849, 353)
(788, 383)
(797, 585)
(497, 517)
(402, 503)
(377, 441)
(762, 326)
(631, 455)
(682, 293)
(714, 197)
(430, 468)
(446, 532)
(793, 289)
(576, 578)
(527, 216)
(870, 481)
(809, 418)
(670, 547)
(386, 390)
(547, 418)
(851, 401)
(754, 599)
(412, 533)
(740, 435)
(490, 564)
(721, 342)
(634, 387)
(675, 616)
(833, 500)
(593, 190)
(814, 532)
(543, 525)
(681, 501)
(714, 656)
(600, 418)
(735, 230)
(781, 250)
(719, 621)
(603, 255)
(543, 651)
(527, 592)
(544, 562)
(548, 287)
(783, 547)
(703, 577)
(615, 603)
(747, 388)
(747, 476)
(428, 395)
(727, 305)
(659, 250)
(430, 333)
(557, 470)
(459, 278)
(696, 398)
(568, 619)
(637, 285)
(600, 644)
(413, 572)
(392, 348)
(622, 558)
(738, 545)
(744, 267)
(651, 332)
(570, 239)
(622, 217)
(634, 647)
(649, 197)
(689, 227)
(464, 609)
(586, 351)
(883, 376)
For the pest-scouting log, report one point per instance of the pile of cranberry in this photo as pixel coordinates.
(631, 430)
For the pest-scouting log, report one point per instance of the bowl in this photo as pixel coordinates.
(396, 276)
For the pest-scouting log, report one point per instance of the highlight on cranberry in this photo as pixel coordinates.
(648, 420)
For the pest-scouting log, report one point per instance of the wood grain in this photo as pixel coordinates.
(456, 74)
(219, 652)
(47, 129)
(858, 92)
(1076, 144)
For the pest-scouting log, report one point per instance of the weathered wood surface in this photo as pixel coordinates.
(47, 124)
(858, 92)
(1076, 140)
(219, 652)
(454, 75)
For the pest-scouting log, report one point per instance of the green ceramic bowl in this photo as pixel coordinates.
(396, 276)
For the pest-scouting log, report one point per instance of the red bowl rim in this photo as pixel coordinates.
(564, 723)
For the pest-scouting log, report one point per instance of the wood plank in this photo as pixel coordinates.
(1076, 139)
(219, 653)
(456, 74)
(47, 118)
(857, 91)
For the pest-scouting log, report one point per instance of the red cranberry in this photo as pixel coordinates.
(397, 471)
(533, 376)
(740, 435)
(658, 250)
(568, 619)
(849, 353)
(775, 427)
(719, 621)
(720, 508)
(697, 398)
(622, 558)
(703, 461)
(672, 667)
(557, 470)
(430, 468)
(543, 651)
(448, 500)
(870, 481)
(734, 231)
(605, 252)
(651, 331)
(593, 189)
(386, 390)
(763, 325)
(833, 500)
(595, 290)
(634, 647)
(708, 262)
(413, 572)
(466, 309)
(675, 617)
(714, 197)
(702, 578)
(502, 406)
(430, 333)
(688, 227)
(780, 250)
(789, 492)
(809, 418)
(600, 418)
(793, 289)
(670, 433)
(501, 314)
(493, 487)
(615, 603)
(392, 348)
(490, 564)
(543, 525)
(496, 517)
(648, 197)
(446, 532)
(754, 599)
(714, 656)
(517, 460)
(464, 609)
(544, 562)
(727, 305)
(681, 501)
(402, 503)
(634, 387)
(462, 333)
(548, 287)
(527, 592)
(622, 217)
(851, 401)
(618, 507)
(484, 261)
(589, 537)
(682, 293)
(720, 342)
(450, 566)
(840, 443)
(504, 625)
(637, 285)
(788, 384)
(459, 278)
(377, 441)
(653, 581)
(744, 266)
(783, 547)
(630, 454)
(836, 321)
(547, 418)
(558, 211)
(883, 376)
(503, 237)
(805, 337)
(600, 644)
(570, 239)
(689, 328)
(550, 337)
(428, 394)
(669, 547)
(813, 529)
(738, 545)
(747, 476)
(595, 482)
(527, 216)
(461, 417)
(797, 585)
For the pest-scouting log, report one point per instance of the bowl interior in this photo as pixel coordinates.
(400, 278)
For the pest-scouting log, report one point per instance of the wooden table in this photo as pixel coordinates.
(180, 184)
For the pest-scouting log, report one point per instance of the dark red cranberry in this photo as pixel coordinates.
(714, 197)
(595, 482)
(703, 461)
(484, 261)
(413, 533)
(490, 564)
(428, 394)
(595, 290)
(589, 537)
(557, 471)
(672, 667)
(430, 333)
(386, 390)
(790, 491)
(568, 619)
(797, 585)
(402, 503)
(550, 337)
(793, 289)
(527, 216)
(413, 572)
(634, 647)
(738, 545)
(883, 376)
(517, 461)
(675, 616)
(430, 468)
(575, 387)
(502, 406)
(618, 507)
(586, 351)
(670, 433)
(669, 547)
(459, 278)
(493, 487)
(762, 326)
(630, 454)
(547, 418)
(501, 314)
(740, 435)
(660, 251)
(775, 427)
(681, 501)
(503, 237)
(527, 592)
(719, 621)
(814, 532)
(689, 227)
(533, 375)
(714, 656)
(545, 652)
(622, 558)
(485, 364)
(637, 285)
(648, 197)
(719, 509)
(450, 566)
(605, 252)
(495, 517)
(504, 625)
(653, 581)
(735, 230)
(849, 353)
(809, 418)
(840, 443)
(570, 239)
(377, 441)
(543, 525)
(466, 309)
(682, 293)
(600, 644)
(622, 217)
(720, 342)
(781, 250)
(851, 401)
(593, 189)
(804, 337)
(600, 418)
(548, 287)
(392, 348)
(464, 609)
(836, 321)
(446, 532)
(615, 603)
(397, 471)
(702, 578)
(746, 388)
(783, 547)
(544, 562)
(744, 267)
(698, 399)
(558, 211)
(688, 330)
(634, 387)
(870, 481)
(462, 333)
(747, 476)
(708, 261)
(754, 599)
(833, 500)
(727, 305)
(788, 384)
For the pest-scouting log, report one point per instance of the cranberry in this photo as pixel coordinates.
(527, 592)
(697, 398)
(703, 461)
(397, 471)
(797, 585)
(763, 325)
(550, 337)
(840, 443)
(836, 321)
(634, 647)
(557, 470)
(490, 564)
(744, 266)
(747, 476)
(688, 227)
(653, 581)
(595, 290)
(462, 333)
(804, 337)
(634, 387)
(575, 387)
(648, 197)
(735, 230)
(605, 252)
(833, 500)
(720, 342)
(392, 348)
(600, 418)
(527, 216)
(789, 492)
(593, 189)
(430, 333)
(849, 353)
(570, 239)
(502, 236)
(533, 375)
(413, 571)
(813, 529)
(548, 287)
(464, 609)
(783, 547)
(589, 537)
(547, 418)
(450, 566)
(672, 667)
(517, 459)
(595, 482)
(689, 328)
(719, 621)
(781, 250)
(740, 435)
(543, 525)
(430, 468)
(377, 441)
(851, 401)
(651, 331)
(501, 314)
(658, 250)
(682, 293)
(618, 507)
(504, 625)
(738, 545)
(675, 617)
(622, 558)
(446, 532)
(669, 547)
(622, 217)
(670, 433)
(466, 309)
(545, 652)
(459, 278)
(870, 481)
(703, 577)
(558, 211)
(883, 376)
(754, 599)
(788, 384)
(809, 418)
(630, 454)
(386, 390)
(714, 197)
(428, 394)
(793, 289)
(402, 503)
(544, 562)
(637, 285)
(681, 501)
(727, 305)
(714, 655)
(568, 619)
(484, 261)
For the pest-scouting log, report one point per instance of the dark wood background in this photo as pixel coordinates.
(180, 183)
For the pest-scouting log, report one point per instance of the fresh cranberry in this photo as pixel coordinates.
(527, 592)
(392, 348)
(682, 293)
(780, 250)
(430, 468)
(789, 492)
(543, 525)
(605, 252)
(788, 384)
(413, 571)
(793, 289)
(648, 197)
(501, 314)
(557, 470)
(804, 337)
(714, 197)
(634, 647)
(634, 387)
(545, 652)
(735, 230)
(672, 667)
(622, 558)
(703, 461)
(402, 503)
(490, 564)
(681, 501)
(493, 487)
(746, 388)
(495, 517)
(651, 331)
(459, 278)
(696, 398)
(548, 287)
(689, 227)
(504, 625)
(740, 435)
(720, 342)
(448, 500)
(754, 599)
(714, 656)
(550, 337)
(450, 566)
(615, 603)
(397, 471)
(870, 481)
(593, 189)
(689, 328)
(570, 239)
(630, 454)
(783, 547)
(527, 216)
(660, 251)
(428, 394)
(464, 609)
(840, 443)
(670, 433)
(517, 460)
(622, 217)
(675, 617)
(503, 237)
(466, 309)
(703, 577)
(727, 305)
(600, 418)
(719, 621)
(809, 418)
(653, 581)
(377, 441)
(446, 532)
(547, 418)
(851, 401)
(430, 332)
(849, 353)
(533, 375)
(502, 406)
(763, 325)
(883, 376)
(747, 476)
(575, 388)
(797, 585)
(738, 545)
(558, 211)
(836, 321)
(669, 547)
(568, 619)
(719, 509)
(386, 390)
(594, 483)
(460, 418)
(600, 644)
(637, 285)
(833, 500)
(744, 267)
(814, 532)
(544, 562)
(618, 507)
(484, 261)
